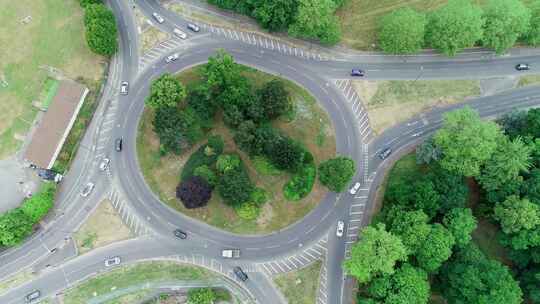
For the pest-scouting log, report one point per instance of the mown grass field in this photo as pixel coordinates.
(359, 18)
(53, 37)
(310, 125)
(300, 287)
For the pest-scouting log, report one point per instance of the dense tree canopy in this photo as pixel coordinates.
(40, 203)
(235, 187)
(85, 3)
(165, 91)
(532, 37)
(195, 192)
(408, 285)
(411, 226)
(509, 159)
(472, 278)
(506, 21)
(402, 31)
(436, 249)
(201, 296)
(315, 20)
(466, 141)
(274, 99)
(427, 152)
(177, 129)
(336, 173)
(101, 29)
(455, 26)
(461, 223)
(516, 214)
(376, 254)
(276, 15)
(15, 225)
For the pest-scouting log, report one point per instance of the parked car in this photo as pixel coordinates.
(180, 33)
(124, 88)
(385, 153)
(240, 274)
(112, 261)
(118, 144)
(355, 188)
(158, 18)
(32, 296)
(193, 27)
(50, 175)
(357, 72)
(180, 234)
(104, 165)
(522, 67)
(340, 228)
(230, 253)
(87, 189)
(172, 57)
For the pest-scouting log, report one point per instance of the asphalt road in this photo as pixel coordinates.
(118, 116)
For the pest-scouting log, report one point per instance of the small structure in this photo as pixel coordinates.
(52, 131)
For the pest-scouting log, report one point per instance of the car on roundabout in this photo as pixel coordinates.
(34, 295)
(193, 27)
(104, 165)
(158, 17)
(357, 73)
(340, 228)
(240, 274)
(385, 153)
(180, 234)
(124, 88)
(87, 189)
(172, 57)
(355, 188)
(113, 261)
(522, 67)
(180, 33)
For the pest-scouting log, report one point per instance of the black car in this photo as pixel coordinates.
(357, 72)
(385, 153)
(240, 274)
(118, 144)
(180, 234)
(522, 67)
(50, 175)
(34, 295)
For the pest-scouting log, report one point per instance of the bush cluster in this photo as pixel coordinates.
(101, 31)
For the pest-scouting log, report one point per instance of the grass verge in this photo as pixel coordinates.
(16, 280)
(135, 297)
(39, 38)
(528, 80)
(300, 287)
(103, 227)
(391, 102)
(133, 275)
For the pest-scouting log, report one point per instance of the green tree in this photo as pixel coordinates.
(207, 174)
(275, 99)
(408, 285)
(533, 35)
(455, 26)
(531, 186)
(245, 138)
(436, 249)
(452, 189)
(15, 225)
(376, 254)
(506, 21)
(248, 211)
(336, 173)
(514, 123)
(276, 15)
(461, 223)
(509, 159)
(533, 122)
(285, 153)
(177, 130)
(101, 29)
(85, 3)
(315, 20)
(201, 296)
(235, 187)
(516, 214)
(427, 152)
(199, 99)
(466, 141)
(166, 91)
(412, 227)
(469, 277)
(425, 197)
(402, 31)
(226, 162)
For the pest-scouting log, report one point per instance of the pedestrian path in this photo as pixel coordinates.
(357, 107)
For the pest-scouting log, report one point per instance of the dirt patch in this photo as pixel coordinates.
(103, 227)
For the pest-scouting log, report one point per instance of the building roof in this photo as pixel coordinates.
(55, 125)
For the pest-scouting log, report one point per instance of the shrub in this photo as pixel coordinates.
(227, 162)
(166, 91)
(101, 29)
(201, 296)
(259, 196)
(85, 3)
(207, 174)
(336, 173)
(235, 187)
(194, 192)
(197, 159)
(39, 204)
(301, 183)
(15, 225)
(215, 142)
(402, 31)
(248, 211)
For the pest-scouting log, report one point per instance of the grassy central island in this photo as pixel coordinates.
(281, 196)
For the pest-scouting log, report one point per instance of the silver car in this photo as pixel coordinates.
(172, 58)
(158, 18)
(124, 88)
(193, 27)
(104, 165)
(87, 189)
(340, 228)
(180, 33)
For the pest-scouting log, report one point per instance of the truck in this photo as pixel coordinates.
(230, 253)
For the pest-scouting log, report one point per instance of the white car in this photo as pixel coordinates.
(355, 188)
(124, 88)
(112, 261)
(180, 33)
(172, 57)
(104, 165)
(87, 189)
(340, 228)
(158, 18)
